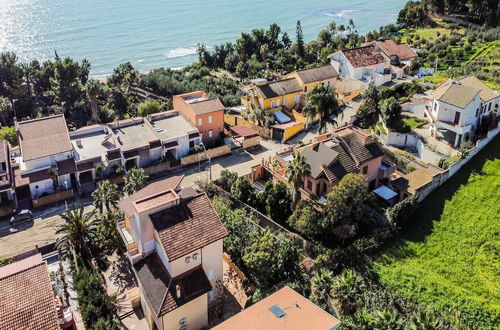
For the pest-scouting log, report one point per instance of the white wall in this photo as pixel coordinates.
(195, 312)
(212, 262)
(45, 161)
(44, 186)
(179, 266)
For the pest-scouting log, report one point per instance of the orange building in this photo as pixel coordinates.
(206, 113)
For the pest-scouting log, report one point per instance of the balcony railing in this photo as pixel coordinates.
(130, 243)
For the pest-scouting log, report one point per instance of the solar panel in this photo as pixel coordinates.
(277, 311)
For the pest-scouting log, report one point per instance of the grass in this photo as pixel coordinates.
(414, 122)
(430, 34)
(381, 128)
(448, 258)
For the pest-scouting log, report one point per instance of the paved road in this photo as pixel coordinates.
(24, 236)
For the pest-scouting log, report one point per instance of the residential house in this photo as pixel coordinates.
(45, 164)
(205, 113)
(174, 240)
(27, 298)
(490, 99)
(332, 156)
(414, 182)
(310, 78)
(364, 64)
(284, 309)
(138, 143)
(455, 112)
(7, 200)
(395, 54)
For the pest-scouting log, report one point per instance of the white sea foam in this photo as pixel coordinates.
(181, 52)
(344, 13)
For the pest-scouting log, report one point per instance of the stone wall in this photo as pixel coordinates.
(251, 142)
(201, 156)
(53, 198)
(156, 168)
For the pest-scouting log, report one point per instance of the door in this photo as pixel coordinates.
(277, 134)
(457, 118)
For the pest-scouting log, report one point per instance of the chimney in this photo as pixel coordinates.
(178, 291)
(36, 249)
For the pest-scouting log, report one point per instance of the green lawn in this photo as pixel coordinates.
(414, 122)
(450, 256)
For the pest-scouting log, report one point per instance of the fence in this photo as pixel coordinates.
(201, 156)
(233, 120)
(53, 198)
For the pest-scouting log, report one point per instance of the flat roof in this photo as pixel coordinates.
(385, 193)
(171, 127)
(92, 144)
(284, 309)
(134, 136)
(155, 200)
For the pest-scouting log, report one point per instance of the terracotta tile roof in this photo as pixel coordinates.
(487, 94)
(360, 145)
(189, 226)
(455, 94)
(317, 74)
(160, 288)
(4, 153)
(66, 166)
(207, 106)
(26, 296)
(152, 189)
(278, 88)
(363, 56)
(244, 131)
(43, 137)
(390, 48)
(300, 313)
(414, 180)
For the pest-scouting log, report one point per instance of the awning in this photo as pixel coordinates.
(244, 131)
(386, 193)
(281, 117)
(171, 144)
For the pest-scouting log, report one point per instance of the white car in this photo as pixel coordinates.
(23, 215)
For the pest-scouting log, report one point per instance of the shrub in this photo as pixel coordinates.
(227, 178)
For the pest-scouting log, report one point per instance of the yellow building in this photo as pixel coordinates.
(310, 78)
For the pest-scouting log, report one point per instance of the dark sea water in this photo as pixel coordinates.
(155, 33)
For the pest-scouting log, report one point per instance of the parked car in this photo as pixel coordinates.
(23, 215)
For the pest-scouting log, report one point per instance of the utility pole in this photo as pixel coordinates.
(436, 67)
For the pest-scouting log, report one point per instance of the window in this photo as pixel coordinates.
(297, 98)
(272, 104)
(200, 121)
(210, 275)
(435, 106)
(477, 111)
(489, 107)
(209, 119)
(365, 169)
(305, 89)
(284, 100)
(309, 185)
(210, 133)
(278, 102)
(188, 260)
(191, 144)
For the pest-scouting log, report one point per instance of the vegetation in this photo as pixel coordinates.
(391, 112)
(454, 268)
(413, 122)
(296, 170)
(9, 133)
(106, 196)
(148, 107)
(135, 180)
(322, 104)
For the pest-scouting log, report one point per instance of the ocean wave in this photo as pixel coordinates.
(344, 13)
(181, 52)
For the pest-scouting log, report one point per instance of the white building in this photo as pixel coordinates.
(46, 161)
(364, 64)
(454, 113)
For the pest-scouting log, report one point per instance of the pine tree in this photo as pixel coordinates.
(300, 39)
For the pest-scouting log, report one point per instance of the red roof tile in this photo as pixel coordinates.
(363, 56)
(390, 48)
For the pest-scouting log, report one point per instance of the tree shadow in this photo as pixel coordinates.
(121, 274)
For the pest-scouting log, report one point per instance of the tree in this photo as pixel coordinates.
(346, 288)
(296, 170)
(321, 286)
(344, 213)
(9, 133)
(386, 319)
(322, 103)
(227, 178)
(403, 211)
(79, 232)
(148, 107)
(93, 88)
(135, 180)
(285, 39)
(305, 219)
(465, 147)
(391, 112)
(277, 201)
(299, 35)
(106, 196)
(243, 190)
(110, 240)
(6, 111)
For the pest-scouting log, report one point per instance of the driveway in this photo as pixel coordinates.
(41, 231)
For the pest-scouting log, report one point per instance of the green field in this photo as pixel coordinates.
(451, 260)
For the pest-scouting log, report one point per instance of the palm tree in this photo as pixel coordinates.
(135, 180)
(345, 289)
(321, 284)
(296, 170)
(386, 319)
(322, 103)
(93, 88)
(106, 196)
(79, 232)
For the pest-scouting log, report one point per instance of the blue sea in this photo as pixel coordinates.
(164, 33)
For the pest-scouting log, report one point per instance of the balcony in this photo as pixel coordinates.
(129, 241)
